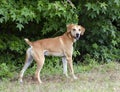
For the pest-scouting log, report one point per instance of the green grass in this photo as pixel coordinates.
(91, 78)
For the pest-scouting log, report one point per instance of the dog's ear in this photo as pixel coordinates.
(69, 27)
(82, 30)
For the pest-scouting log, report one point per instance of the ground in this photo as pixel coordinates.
(102, 78)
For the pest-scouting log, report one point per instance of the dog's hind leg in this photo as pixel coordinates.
(65, 66)
(38, 70)
(39, 57)
(28, 61)
(40, 61)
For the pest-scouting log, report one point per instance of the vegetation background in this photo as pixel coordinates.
(38, 19)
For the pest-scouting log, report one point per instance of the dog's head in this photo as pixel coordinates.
(75, 30)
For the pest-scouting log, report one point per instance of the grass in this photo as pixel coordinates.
(92, 78)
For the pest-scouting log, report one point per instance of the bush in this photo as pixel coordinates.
(48, 18)
(7, 71)
(101, 20)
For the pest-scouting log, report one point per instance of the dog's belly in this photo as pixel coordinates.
(49, 53)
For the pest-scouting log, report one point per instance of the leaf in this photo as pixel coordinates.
(103, 5)
(89, 6)
(117, 2)
(95, 45)
(114, 42)
(1, 20)
(20, 26)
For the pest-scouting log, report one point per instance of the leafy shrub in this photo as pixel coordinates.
(101, 39)
(6, 71)
(48, 18)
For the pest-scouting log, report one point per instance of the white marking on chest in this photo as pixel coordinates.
(48, 53)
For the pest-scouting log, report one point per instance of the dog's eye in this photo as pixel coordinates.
(79, 29)
(74, 29)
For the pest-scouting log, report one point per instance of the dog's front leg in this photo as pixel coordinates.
(65, 66)
(70, 62)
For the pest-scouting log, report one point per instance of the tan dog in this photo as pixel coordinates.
(58, 46)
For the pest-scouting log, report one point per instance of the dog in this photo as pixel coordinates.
(59, 46)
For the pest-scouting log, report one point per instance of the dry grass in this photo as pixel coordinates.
(103, 78)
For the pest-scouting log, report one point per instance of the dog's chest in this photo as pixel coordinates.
(53, 53)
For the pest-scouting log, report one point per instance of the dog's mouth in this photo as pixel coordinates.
(77, 36)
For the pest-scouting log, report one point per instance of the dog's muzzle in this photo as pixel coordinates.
(77, 36)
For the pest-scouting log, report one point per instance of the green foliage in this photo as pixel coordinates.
(102, 38)
(12, 43)
(22, 13)
(6, 71)
(39, 19)
(52, 66)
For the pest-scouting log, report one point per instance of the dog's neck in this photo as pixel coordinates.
(72, 38)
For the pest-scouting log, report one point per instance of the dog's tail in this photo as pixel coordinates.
(28, 42)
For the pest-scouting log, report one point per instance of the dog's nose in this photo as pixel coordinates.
(77, 35)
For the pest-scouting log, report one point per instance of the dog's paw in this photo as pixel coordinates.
(20, 81)
(75, 77)
(66, 75)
